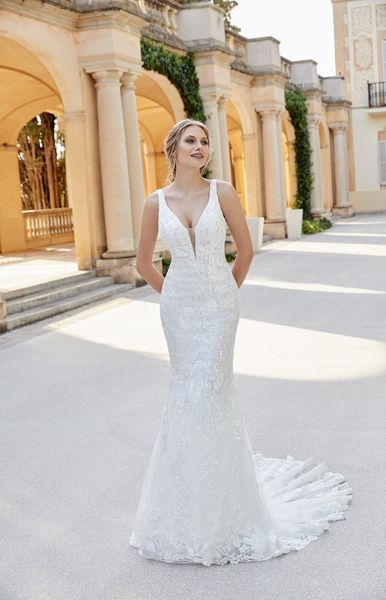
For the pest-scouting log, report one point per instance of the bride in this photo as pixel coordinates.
(206, 497)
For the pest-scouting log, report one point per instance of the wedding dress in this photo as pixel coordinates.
(206, 498)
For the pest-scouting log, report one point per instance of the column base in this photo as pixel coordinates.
(343, 211)
(123, 269)
(319, 214)
(276, 228)
(119, 253)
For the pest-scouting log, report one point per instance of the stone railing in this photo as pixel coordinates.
(286, 66)
(237, 44)
(162, 14)
(48, 226)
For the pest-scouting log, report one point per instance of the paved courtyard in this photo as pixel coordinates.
(81, 401)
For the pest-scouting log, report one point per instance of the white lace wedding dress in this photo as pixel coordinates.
(206, 498)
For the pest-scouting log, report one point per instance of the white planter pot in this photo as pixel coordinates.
(256, 227)
(294, 223)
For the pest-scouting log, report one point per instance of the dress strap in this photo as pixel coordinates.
(160, 194)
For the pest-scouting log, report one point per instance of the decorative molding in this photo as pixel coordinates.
(363, 61)
(361, 20)
(380, 12)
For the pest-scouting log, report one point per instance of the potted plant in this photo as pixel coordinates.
(294, 218)
(256, 227)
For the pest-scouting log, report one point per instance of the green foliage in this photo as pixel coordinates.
(181, 72)
(227, 6)
(297, 110)
(314, 226)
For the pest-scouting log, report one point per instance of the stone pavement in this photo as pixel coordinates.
(81, 402)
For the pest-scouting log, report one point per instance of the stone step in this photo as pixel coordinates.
(47, 285)
(33, 315)
(60, 292)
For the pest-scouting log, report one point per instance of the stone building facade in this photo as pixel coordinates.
(360, 53)
(81, 60)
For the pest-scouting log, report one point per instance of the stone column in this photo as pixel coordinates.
(280, 148)
(222, 118)
(114, 171)
(12, 230)
(133, 151)
(317, 208)
(253, 176)
(342, 200)
(78, 184)
(211, 112)
(275, 219)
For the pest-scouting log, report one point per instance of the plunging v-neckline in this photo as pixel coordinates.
(203, 211)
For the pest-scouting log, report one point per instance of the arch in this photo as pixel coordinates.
(325, 161)
(159, 106)
(288, 140)
(242, 134)
(29, 91)
(158, 88)
(40, 72)
(49, 47)
(236, 149)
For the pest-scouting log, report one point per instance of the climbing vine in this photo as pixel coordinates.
(181, 72)
(297, 110)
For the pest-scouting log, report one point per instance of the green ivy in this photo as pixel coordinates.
(316, 225)
(181, 72)
(297, 109)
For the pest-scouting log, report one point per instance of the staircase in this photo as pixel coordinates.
(41, 301)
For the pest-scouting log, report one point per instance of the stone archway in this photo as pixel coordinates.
(159, 106)
(38, 75)
(288, 140)
(325, 159)
(30, 89)
(236, 150)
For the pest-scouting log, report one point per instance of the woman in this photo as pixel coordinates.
(206, 498)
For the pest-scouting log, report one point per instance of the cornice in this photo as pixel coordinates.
(209, 46)
(66, 18)
(266, 77)
(105, 62)
(333, 103)
(117, 19)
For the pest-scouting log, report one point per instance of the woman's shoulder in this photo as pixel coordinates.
(151, 203)
(225, 188)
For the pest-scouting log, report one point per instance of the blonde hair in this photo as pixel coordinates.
(172, 141)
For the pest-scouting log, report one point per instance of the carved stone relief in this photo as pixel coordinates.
(363, 61)
(381, 16)
(361, 20)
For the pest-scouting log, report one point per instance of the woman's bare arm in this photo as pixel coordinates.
(234, 216)
(147, 241)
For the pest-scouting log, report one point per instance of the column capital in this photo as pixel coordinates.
(209, 97)
(340, 128)
(313, 120)
(107, 78)
(222, 101)
(129, 78)
(272, 112)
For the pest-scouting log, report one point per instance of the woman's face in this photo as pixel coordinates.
(193, 148)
